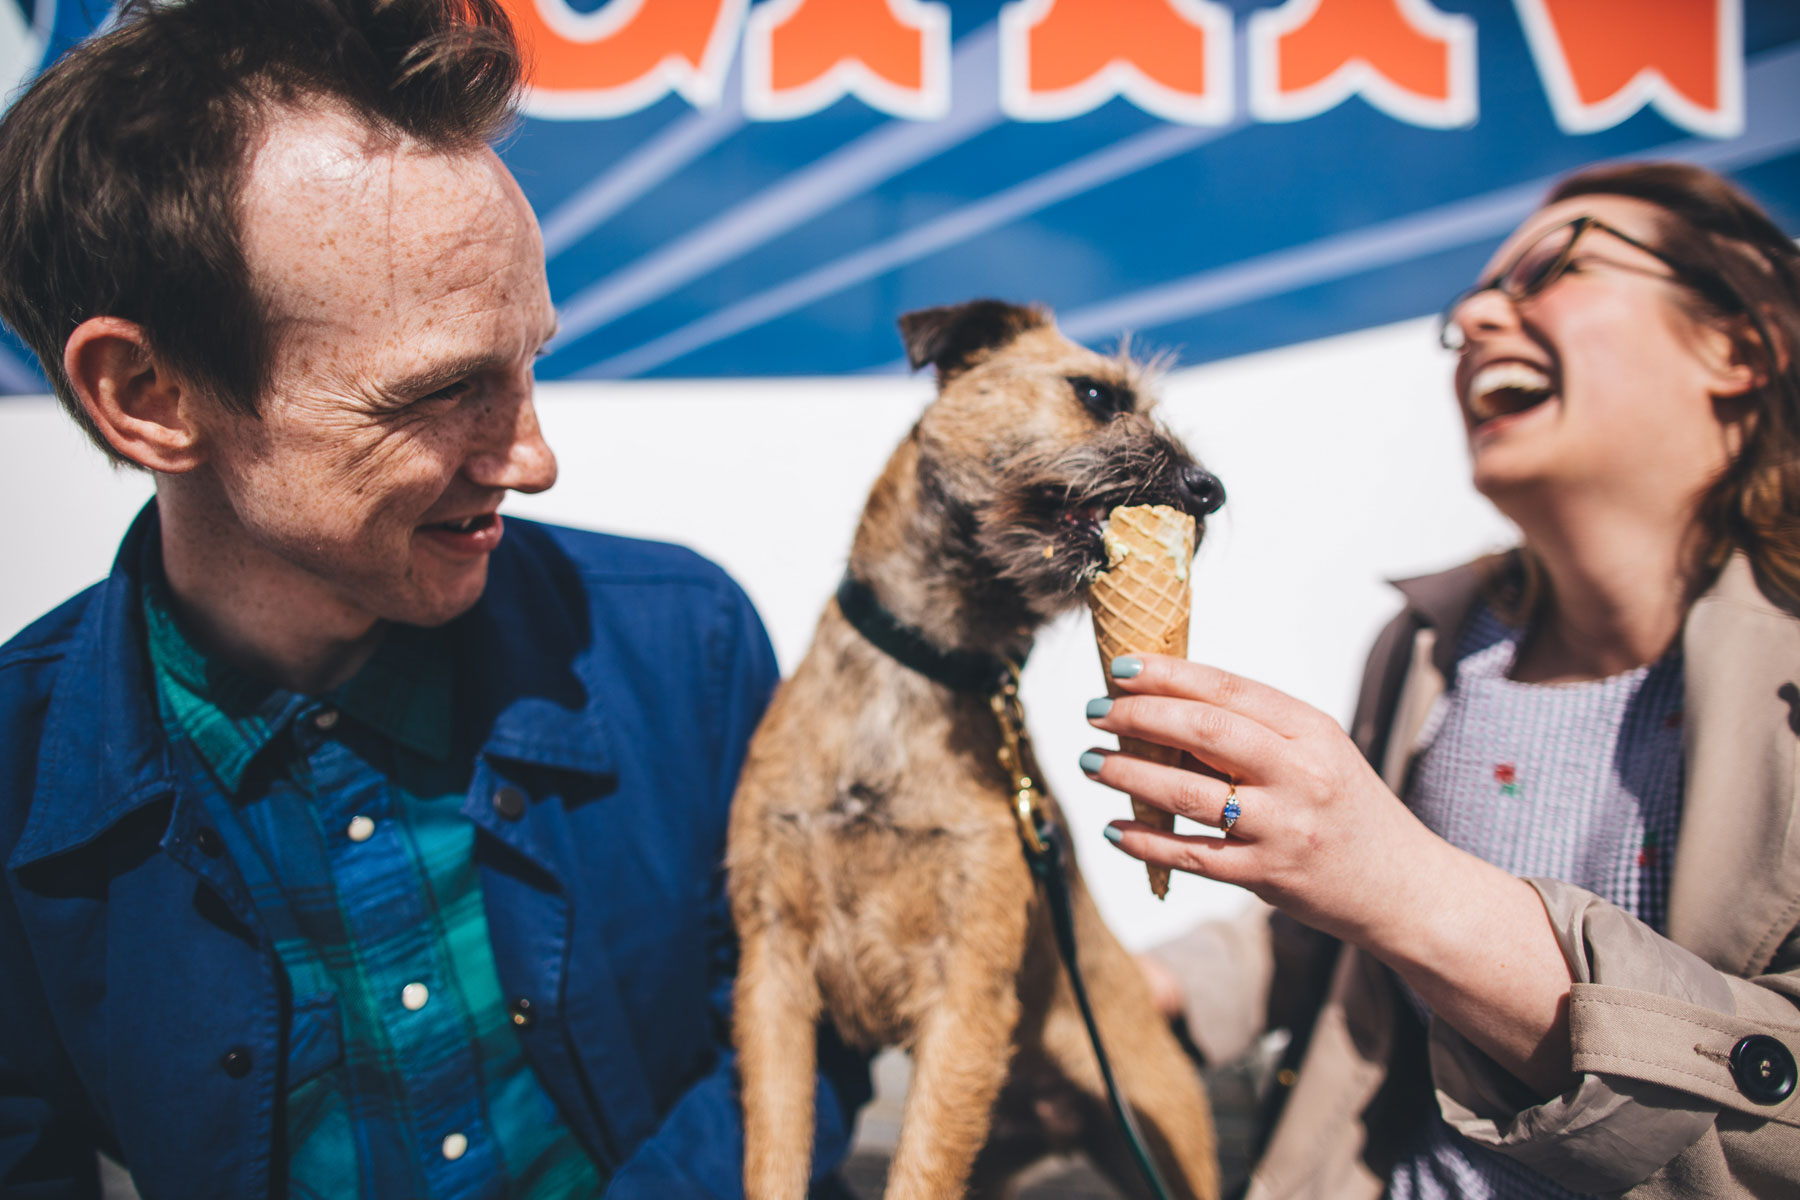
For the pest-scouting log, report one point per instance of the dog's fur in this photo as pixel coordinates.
(875, 867)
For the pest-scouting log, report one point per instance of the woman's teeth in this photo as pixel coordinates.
(466, 524)
(1507, 387)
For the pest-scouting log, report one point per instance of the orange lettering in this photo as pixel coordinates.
(802, 55)
(1060, 58)
(1602, 60)
(1403, 56)
(625, 56)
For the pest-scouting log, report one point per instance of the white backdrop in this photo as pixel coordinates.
(1343, 461)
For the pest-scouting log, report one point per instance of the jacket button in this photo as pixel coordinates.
(209, 841)
(524, 1015)
(509, 802)
(1764, 1069)
(236, 1062)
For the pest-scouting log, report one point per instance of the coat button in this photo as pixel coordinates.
(524, 1014)
(209, 841)
(1764, 1069)
(509, 802)
(236, 1062)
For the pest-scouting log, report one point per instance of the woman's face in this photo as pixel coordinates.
(1600, 384)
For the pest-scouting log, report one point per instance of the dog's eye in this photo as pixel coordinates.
(1099, 397)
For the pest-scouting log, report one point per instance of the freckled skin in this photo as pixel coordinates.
(409, 300)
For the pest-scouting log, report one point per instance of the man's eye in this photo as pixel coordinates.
(449, 391)
(1099, 397)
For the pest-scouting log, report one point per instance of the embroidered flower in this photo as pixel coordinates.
(1648, 853)
(1507, 776)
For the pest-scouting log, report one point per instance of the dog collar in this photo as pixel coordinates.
(958, 670)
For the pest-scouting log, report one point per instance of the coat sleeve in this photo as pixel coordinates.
(698, 1149)
(46, 1152)
(1652, 1028)
(47, 1140)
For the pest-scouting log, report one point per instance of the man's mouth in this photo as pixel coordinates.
(1505, 388)
(466, 524)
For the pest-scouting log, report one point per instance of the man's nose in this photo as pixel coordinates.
(514, 454)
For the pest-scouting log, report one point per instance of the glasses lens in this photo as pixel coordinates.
(1542, 262)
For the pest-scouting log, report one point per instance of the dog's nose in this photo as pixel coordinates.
(1202, 489)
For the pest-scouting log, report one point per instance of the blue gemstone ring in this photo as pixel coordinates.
(1229, 817)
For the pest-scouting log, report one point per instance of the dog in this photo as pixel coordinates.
(876, 874)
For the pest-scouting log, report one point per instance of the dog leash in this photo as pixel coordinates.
(1042, 840)
(1040, 837)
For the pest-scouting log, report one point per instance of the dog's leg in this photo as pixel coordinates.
(774, 1014)
(959, 1063)
(1159, 1081)
(964, 1033)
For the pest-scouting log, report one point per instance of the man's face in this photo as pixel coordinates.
(407, 298)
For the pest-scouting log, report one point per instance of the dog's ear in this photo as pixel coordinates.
(950, 337)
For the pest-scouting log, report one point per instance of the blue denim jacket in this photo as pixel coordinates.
(612, 686)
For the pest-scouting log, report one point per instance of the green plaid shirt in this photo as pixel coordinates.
(406, 1076)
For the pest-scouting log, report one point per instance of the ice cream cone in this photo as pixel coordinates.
(1140, 605)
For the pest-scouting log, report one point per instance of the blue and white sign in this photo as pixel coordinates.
(731, 188)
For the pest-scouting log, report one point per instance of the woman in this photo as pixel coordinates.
(1571, 956)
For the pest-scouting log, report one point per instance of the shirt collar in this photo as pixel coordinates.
(230, 716)
(104, 754)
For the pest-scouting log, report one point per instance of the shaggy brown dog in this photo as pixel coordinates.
(876, 873)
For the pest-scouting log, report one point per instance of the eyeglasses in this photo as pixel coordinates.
(1535, 268)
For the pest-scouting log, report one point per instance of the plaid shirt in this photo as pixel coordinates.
(405, 1074)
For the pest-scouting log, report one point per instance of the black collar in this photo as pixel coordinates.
(958, 670)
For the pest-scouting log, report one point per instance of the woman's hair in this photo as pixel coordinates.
(1739, 270)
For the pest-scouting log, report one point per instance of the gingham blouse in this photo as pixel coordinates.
(1580, 782)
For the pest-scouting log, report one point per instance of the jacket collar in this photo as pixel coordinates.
(1444, 601)
(1735, 885)
(104, 754)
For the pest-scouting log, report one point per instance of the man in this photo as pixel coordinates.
(355, 843)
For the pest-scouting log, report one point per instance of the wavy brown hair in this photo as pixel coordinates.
(121, 165)
(1737, 270)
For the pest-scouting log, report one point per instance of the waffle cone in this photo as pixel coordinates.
(1140, 605)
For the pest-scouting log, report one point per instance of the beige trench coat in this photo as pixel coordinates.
(1658, 1111)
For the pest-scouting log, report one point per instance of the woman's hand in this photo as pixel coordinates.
(1318, 834)
(1322, 837)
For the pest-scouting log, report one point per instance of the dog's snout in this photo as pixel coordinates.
(1202, 490)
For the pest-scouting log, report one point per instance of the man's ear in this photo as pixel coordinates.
(141, 409)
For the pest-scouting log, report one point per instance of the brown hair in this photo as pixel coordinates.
(1738, 268)
(121, 166)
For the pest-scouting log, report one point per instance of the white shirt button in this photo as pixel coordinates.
(325, 720)
(455, 1146)
(361, 828)
(413, 996)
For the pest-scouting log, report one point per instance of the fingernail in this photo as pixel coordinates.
(1111, 833)
(1098, 708)
(1092, 761)
(1127, 666)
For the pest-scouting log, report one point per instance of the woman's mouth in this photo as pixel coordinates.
(1506, 388)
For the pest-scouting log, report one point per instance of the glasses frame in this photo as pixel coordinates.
(1450, 334)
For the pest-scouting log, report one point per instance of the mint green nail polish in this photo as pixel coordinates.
(1092, 761)
(1098, 708)
(1127, 666)
(1111, 834)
